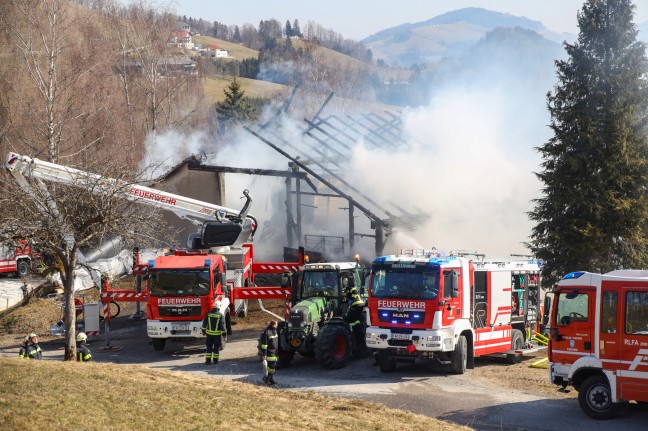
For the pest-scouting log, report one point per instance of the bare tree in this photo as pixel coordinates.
(57, 104)
(68, 218)
(159, 84)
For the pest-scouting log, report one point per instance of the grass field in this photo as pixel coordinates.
(253, 88)
(48, 395)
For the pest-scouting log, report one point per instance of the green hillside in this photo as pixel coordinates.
(234, 50)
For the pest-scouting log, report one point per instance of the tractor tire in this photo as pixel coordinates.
(23, 269)
(158, 344)
(333, 346)
(285, 357)
(386, 363)
(595, 398)
(517, 342)
(459, 357)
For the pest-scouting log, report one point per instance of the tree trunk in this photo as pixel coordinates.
(69, 313)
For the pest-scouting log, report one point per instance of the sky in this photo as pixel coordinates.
(357, 19)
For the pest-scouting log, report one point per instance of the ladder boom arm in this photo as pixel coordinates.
(190, 209)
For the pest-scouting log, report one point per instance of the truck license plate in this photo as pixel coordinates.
(181, 327)
(400, 336)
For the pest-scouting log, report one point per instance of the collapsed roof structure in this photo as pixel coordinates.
(321, 161)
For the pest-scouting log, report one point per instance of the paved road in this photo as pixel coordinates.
(412, 387)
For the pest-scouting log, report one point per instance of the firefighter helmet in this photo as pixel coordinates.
(32, 335)
(81, 337)
(217, 305)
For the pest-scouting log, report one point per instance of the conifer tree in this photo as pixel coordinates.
(236, 108)
(288, 30)
(593, 215)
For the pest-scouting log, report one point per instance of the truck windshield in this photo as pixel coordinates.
(320, 283)
(412, 285)
(572, 307)
(179, 283)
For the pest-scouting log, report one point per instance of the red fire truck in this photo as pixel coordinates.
(599, 339)
(451, 308)
(19, 259)
(181, 286)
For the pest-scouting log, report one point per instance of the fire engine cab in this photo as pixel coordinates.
(599, 339)
(451, 308)
(19, 259)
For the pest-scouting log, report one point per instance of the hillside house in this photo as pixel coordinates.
(214, 51)
(181, 39)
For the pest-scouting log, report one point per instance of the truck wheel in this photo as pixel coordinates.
(459, 356)
(517, 342)
(595, 398)
(158, 344)
(23, 269)
(333, 347)
(385, 362)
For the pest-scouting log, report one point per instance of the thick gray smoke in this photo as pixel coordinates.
(469, 164)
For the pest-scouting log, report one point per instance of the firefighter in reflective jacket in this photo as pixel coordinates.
(213, 327)
(354, 315)
(270, 351)
(31, 349)
(83, 353)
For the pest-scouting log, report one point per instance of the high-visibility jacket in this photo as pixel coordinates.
(269, 343)
(32, 351)
(213, 323)
(354, 297)
(83, 353)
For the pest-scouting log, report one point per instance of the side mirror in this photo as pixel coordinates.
(294, 287)
(455, 284)
(553, 332)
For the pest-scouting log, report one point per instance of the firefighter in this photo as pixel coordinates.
(354, 315)
(269, 350)
(83, 353)
(213, 327)
(31, 349)
(23, 349)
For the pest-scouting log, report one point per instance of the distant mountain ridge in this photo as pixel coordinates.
(447, 35)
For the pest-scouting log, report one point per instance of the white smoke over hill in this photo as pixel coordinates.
(469, 164)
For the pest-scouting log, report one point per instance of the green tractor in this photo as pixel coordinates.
(322, 322)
